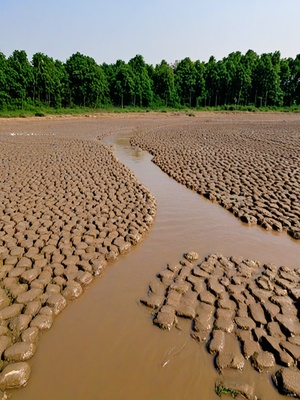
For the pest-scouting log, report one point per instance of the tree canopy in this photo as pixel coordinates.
(237, 80)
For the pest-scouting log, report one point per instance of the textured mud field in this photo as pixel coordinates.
(68, 207)
(251, 168)
(241, 310)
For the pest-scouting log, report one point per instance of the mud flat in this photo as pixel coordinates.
(241, 310)
(67, 208)
(125, 364)
(251, 168)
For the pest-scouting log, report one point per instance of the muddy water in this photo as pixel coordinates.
(104, 345)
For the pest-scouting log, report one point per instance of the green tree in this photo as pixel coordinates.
(19, 77)
(233, 77)
(62, 94)
(285, 81)
(200, 89)
(267, 81)
(4, 97)
(294, 82)
(143, 93)
(87, 81)
(47, 85)
(212, 81)
(122, 84)
(223, 83)
(164, 83)
(249, 62)
(185, 81)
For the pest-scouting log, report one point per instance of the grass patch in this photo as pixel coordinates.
(234, 389)
(224, 390)
(39, 114)
(42, 111)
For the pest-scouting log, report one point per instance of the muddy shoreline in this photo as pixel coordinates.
(35, 148)
(67, 208)
(251, 168)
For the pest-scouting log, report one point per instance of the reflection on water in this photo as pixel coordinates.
(134, 153)
(104, 345)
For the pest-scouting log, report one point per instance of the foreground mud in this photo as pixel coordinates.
(243, 311)
(249, 167)
(67, 208)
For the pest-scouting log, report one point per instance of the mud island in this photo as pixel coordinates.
(240, 309)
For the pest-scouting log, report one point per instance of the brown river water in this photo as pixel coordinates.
(104, 346)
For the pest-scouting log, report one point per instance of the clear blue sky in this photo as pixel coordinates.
(157, 29)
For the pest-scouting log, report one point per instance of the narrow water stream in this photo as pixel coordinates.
(104, 345)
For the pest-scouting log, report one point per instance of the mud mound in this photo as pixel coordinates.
(251, 169)
(67, 207)
(243, 311)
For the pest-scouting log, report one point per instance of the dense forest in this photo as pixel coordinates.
(238, 80)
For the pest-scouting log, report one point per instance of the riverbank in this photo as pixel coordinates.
(247, 165)
(68, 207)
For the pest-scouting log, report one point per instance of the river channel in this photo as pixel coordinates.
(104, 345)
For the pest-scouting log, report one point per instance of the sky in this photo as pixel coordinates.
(157, 29)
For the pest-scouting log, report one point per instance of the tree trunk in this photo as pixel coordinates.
(96, 102)
(239, 97)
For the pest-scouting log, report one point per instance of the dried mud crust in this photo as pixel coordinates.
(251, 168)
(241, 310)
(67, 207)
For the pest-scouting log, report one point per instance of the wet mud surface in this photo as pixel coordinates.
(67, 208)
(65, 216)
(249, 168)
(241, 310)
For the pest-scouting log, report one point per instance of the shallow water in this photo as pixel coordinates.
(104, 345)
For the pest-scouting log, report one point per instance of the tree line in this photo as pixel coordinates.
(239, 79)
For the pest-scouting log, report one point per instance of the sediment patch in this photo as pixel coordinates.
(250, 168)
(242, 310)
(67, 208)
